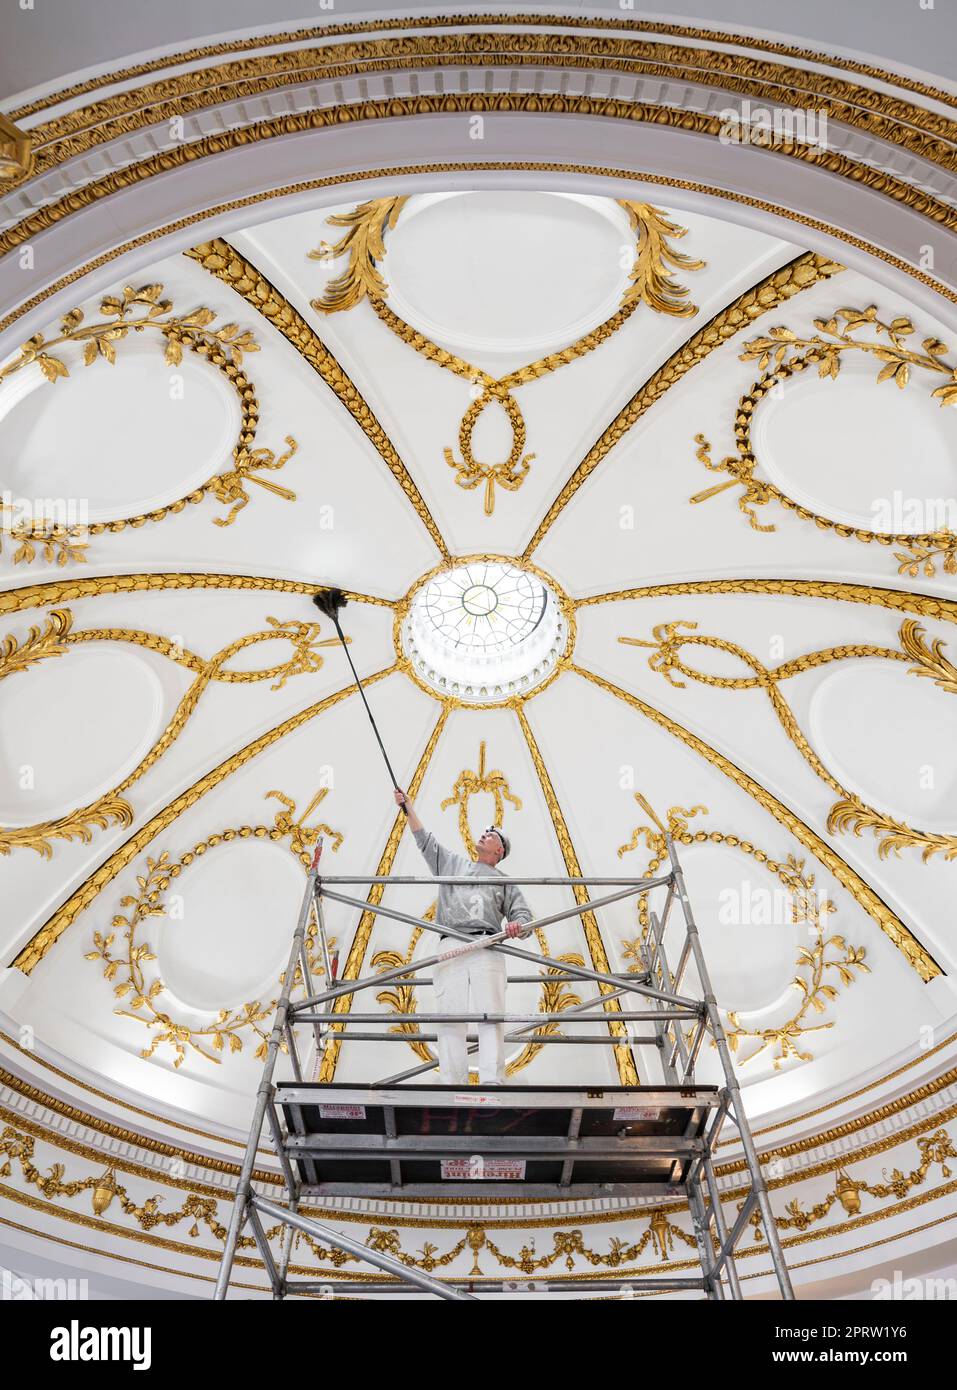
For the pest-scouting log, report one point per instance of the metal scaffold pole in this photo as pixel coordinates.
(409, 1137)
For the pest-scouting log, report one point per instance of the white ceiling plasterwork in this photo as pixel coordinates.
(782, 693)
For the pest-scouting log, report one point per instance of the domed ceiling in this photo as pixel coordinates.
(644, 518)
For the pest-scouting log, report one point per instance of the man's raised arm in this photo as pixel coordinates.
(438, 858)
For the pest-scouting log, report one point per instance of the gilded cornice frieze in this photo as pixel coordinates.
(719, 39)
(787, 1174)
(781, 354)
(86, 893)
(113, 808)
(850, 811)
(661, 1232)
(925, 134)
(219, 258)
(872, 903)
(800, 274)
(184, 153)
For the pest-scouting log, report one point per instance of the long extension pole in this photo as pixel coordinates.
(329, 602)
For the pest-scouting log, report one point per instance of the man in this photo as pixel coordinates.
(479, 912)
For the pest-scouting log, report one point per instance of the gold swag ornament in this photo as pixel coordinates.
(807, 905)
(652, 283)
(850, 812)
(55, 639)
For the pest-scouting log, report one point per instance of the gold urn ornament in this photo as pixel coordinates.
(848, 1194)
(104, 1192)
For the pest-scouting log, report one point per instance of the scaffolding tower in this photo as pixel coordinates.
(392, 1139)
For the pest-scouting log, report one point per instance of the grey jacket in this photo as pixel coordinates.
(480, 909)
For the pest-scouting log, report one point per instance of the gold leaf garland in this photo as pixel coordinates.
(221, 260)
(469, 783)
(227, 1029)
(781, 354)
(807, 906)
(800, 274)
(136, 311)
(850, 812)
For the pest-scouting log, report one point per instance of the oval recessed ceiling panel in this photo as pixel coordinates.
(116, 440)
(72, 728)
(491, 270)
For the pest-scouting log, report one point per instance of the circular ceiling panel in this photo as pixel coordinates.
(484, 632)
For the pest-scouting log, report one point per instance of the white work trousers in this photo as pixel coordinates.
(481, 973)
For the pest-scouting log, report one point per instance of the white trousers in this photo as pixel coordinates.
(481, 974)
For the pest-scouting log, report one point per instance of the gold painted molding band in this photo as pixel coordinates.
(221, 260)
(218, 1165)
(444, 103)
(882, 1213)
(800, 274)
(128, 112)
(597, 23)
(888, 921)
(927, 605)
(47, 935)
(412, 170)
(624, 1058)
(128, 1136)
(69, 590)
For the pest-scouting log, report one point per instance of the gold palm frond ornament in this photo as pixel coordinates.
(651, 282)
(782, 353)
(364, 243)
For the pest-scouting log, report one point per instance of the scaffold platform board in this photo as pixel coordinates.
(525, 1142)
